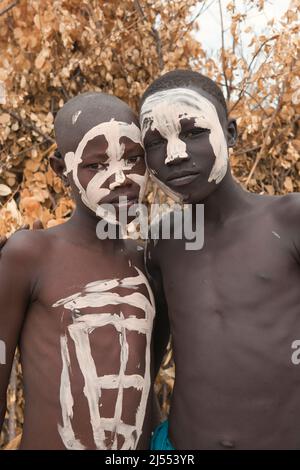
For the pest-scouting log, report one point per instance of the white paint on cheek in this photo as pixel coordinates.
(76, 116)
(98, 294)
(95, 192)
(163, 112)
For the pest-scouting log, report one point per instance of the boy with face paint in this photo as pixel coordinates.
(80, 308)
(233, 305)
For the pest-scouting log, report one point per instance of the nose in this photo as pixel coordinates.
(120, 180)
(175, 161)
(176, 152)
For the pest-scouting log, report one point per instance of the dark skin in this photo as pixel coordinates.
(39, 267)
(233, 306)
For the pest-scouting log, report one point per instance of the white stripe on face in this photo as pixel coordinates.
(112, 131)
(164, 110)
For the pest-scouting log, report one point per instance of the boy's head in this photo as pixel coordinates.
(100, 151)
(186, 134)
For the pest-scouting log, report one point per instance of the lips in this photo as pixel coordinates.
(183, 177)
(121, 200)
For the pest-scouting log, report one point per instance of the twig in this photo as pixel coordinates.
(248, 150)
(29, 125)
(243, 90)
(200, 12)
(249, 69)
(190, 24)
(260, 48)
(154, 33)
(265, 141)
(9, 7)
(223, 51)
(282, 131)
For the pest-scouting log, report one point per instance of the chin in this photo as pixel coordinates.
(192, 195)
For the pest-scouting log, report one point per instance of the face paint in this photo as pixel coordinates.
(164, 110)
(76, 116)
(99, 294)
(95, 192)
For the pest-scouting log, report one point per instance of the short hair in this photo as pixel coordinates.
(186, 78)
(83, 112)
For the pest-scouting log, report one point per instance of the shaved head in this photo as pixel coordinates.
(99, 138)
(85, 111)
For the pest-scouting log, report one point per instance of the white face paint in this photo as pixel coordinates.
(99, 294)
(95, 192)
(163, 112)
(76, 116)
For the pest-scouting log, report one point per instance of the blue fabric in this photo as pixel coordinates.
(160, 439)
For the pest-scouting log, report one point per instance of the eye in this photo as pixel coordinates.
(97, 166)
(133, 160)
(194, 132)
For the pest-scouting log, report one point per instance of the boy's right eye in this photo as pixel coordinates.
(97, 166)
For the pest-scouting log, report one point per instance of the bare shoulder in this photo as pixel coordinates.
(25, 246)
(287, 209)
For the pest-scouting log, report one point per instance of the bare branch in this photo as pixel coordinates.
(266, 138)
(9, 7)
(154, 33)
(276, 139)
(260, 48)
(29, 125)
(223, 51)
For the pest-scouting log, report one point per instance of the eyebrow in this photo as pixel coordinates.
(128, 142)
(94, 155)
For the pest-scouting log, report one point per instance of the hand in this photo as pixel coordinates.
(37, 225)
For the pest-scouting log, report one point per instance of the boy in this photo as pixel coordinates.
(234, 304)
(81, 308)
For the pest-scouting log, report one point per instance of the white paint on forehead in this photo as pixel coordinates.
(76, 116)
(164, 110)
(95, 192)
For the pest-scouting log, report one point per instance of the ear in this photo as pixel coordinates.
(57, 164)
(231, 132)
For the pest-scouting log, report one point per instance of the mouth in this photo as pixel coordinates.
(182, 178)
(122, 201)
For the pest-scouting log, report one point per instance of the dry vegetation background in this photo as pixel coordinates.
(51, 50)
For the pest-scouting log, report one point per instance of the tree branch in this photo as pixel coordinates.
(154, 33)
(260, 48)
(266, 138)
(9, 7)
(223, 51)
(29, 125)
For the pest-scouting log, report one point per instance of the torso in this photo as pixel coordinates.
(86, 360)
(234, 314)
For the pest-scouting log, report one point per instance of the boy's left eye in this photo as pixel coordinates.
(97, 166)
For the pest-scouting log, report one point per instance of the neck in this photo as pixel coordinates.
(226, 201)
(84, 224)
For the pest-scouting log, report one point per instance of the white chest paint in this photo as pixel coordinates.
(98, 294)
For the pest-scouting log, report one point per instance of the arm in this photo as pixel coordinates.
(15, 289)
(161, 331)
